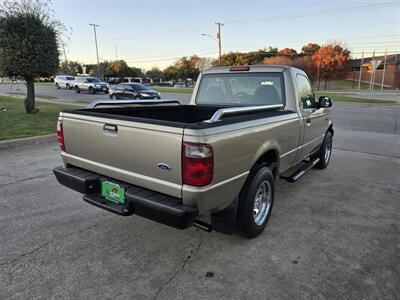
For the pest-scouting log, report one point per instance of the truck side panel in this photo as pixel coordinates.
(237, 147)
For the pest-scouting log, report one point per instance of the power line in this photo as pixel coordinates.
(319, 12)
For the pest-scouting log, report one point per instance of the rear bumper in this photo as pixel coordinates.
(143, 202)
(101, 89)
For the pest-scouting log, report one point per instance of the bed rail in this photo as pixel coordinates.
(96, 103)
(216, 117)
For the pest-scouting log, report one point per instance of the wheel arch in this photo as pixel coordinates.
(269, 158)
(330, 129)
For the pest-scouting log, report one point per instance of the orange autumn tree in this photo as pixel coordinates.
(330, 62)
(288, 52)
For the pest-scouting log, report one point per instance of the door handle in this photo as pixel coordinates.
(110, 128)
(308, 121)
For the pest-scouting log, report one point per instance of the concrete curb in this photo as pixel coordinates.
(37, 140)
(52, 101)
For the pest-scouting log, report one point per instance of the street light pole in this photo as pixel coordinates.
(97, 50)
(219, 24)
(218, 40)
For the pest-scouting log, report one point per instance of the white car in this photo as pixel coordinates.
(90, 84)
(179, 85)
(64, 81)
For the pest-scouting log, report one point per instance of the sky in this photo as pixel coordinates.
(150, 33)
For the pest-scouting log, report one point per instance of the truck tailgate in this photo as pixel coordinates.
(125, 150)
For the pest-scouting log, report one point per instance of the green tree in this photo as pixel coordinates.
(170, 73)
(28, 42)
(310, 49)
(272, 50)
(71, 68)
(154, 73)
(184, 68)
(118, 68)
(243, 58)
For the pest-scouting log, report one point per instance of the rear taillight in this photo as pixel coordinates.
(197, 164)
(60, 134)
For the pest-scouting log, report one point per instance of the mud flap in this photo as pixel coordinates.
(225, 220)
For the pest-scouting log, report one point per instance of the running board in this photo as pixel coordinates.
(301, 171)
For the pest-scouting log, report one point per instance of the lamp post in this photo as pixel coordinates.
(97, 50)
(218, 40)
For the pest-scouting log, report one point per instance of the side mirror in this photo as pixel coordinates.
(324, 101)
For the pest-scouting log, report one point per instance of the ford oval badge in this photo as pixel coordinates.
(164, 167)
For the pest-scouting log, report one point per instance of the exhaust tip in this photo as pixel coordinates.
(202, 225)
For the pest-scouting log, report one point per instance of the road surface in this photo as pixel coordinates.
(335, 234)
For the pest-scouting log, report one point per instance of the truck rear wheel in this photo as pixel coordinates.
(325, 152)
(255, 202)
(77, 90)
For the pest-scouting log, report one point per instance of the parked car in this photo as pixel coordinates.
(211, 164)
(64, 81)
(90, 84)
(179, 85)
(133, 91)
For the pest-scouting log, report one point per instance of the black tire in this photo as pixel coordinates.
(114, 97)
(325, 153)
(77, 90)
(57, 86)
(248, 224)
(67, 86)
(91, 90)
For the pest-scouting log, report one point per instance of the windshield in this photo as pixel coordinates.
(241, 89)
(70, 78)
(139, 87)
(92, 79)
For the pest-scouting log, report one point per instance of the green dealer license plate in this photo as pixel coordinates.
(113, 192)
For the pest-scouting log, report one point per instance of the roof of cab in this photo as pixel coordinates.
(253, 68)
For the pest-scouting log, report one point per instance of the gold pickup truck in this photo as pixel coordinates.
(212, 163)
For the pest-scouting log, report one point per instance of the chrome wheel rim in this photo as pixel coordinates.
(262, 202)
(328, 151)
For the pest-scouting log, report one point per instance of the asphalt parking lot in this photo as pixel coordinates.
(335, 234)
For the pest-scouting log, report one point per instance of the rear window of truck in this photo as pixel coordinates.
(241, 89)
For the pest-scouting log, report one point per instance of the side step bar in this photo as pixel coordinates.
(301, 171)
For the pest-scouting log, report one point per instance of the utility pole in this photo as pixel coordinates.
(219, 24)
(116, 51)
(65, 55)
(97, 50)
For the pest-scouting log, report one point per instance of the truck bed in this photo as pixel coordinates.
(182, 116)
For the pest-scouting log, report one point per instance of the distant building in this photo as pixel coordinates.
(392, 72)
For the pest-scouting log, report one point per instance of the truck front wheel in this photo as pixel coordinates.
(255, 202)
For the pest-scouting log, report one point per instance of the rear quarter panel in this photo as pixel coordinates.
(236, 149)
